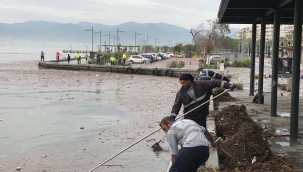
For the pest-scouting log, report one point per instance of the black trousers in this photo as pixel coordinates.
(201, 121)
(42, 57)
(79, 61)
(124, 62)
(98, 61)
(189, 159)
(112, 63)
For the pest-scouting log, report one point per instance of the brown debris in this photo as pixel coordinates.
(226, 97)
(243, 140)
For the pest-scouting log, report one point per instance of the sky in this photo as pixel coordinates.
(185, 13)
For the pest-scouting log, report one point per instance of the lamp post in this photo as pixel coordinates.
(92, 30)
(147, 40)
(100, 39)
(118, 35)
(108, 39)
(136, 38)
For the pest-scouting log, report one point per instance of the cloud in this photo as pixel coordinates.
(188, 14)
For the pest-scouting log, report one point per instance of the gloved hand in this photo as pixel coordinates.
(174, 117)
(214, 144)
(232, 87)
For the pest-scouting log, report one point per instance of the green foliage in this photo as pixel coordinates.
(94, 61)
(206, 66)
(190, 47)
(173, 64)
(178, 48)
(181, 64)
(241, 63)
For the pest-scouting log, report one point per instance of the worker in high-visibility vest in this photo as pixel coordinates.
(112, 60)
(78, 56)
(124, 56)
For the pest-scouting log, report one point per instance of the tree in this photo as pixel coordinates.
(208, 38)
(178, 48)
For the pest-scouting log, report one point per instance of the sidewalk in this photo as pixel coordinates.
(277, 125)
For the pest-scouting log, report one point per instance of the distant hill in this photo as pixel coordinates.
(53, 31)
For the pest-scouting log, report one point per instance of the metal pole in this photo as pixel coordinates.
(295, 89)
(92, 39)
(115, 41)
(253, 60)
(261, 61)
(275, 57)
(154, 132)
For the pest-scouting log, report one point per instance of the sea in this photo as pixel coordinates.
(32, 119)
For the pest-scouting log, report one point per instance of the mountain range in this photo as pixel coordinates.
(53, 31)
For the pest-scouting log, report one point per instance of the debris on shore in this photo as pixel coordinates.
(243, 147)
(226, 97)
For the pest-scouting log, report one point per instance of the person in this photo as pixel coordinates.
(124, 56)
(58, 56)
(86, 56)
(193, 139)
(208, 75)
(98, 58)
(78, 56)
(68, 58)
(112, 60)
(42, 56)
(192, 94)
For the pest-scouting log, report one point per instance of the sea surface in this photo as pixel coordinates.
(37, 118)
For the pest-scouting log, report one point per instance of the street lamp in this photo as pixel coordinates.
(136, 38)
(147, 40)
(92, 30)
(118, 35)
(108, 39)
(100, 39)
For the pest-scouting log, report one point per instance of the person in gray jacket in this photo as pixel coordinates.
(193, 139)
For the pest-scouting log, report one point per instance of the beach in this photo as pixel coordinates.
(50, 106)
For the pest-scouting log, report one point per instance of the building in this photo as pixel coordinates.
(246, 32)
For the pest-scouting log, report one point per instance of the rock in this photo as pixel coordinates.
(81, 128)
(99, 137)
(1, 119)
(18, 168)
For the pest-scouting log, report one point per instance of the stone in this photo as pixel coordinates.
(18, 168)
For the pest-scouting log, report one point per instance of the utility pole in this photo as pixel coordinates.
(118, 35)
(108, 39)
(100, 39)
(115, 42)
(136, 38)
(147, 40)
(92, 30)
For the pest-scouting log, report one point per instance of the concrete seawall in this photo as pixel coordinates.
(145, 70)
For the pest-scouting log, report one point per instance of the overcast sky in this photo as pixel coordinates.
(185, 13)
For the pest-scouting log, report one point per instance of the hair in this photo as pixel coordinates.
(166, 120)
(186, 77)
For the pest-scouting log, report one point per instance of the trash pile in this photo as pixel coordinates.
(226, 97)
(243, 148)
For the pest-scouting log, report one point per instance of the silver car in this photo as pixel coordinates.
(138, 59)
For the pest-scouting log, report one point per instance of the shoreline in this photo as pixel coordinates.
(143, 119)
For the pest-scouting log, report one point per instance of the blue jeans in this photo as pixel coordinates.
(189, 159)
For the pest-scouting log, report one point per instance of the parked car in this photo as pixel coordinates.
(159, 58)
(169, 54)
(214, 58)
(148, 56)
(139, 59)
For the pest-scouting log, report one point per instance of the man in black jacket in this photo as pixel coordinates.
(194, 93)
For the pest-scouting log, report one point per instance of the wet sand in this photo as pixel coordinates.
(144, 99)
